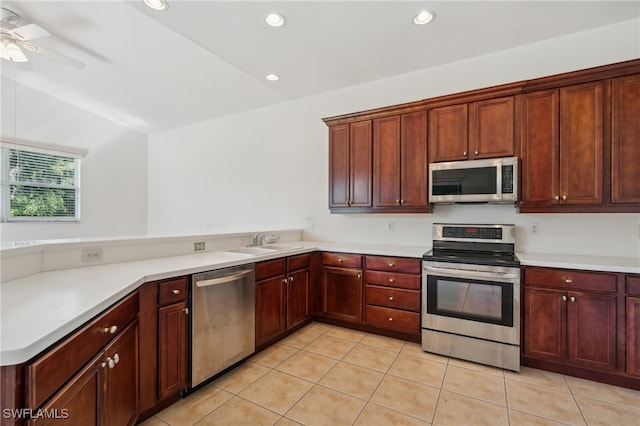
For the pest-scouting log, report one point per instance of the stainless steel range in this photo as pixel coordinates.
(471, 294)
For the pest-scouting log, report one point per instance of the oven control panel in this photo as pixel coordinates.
(480, 233)
(472, 232)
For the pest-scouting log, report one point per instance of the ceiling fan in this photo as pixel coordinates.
(15, 39)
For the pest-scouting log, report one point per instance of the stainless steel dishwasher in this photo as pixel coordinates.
(223, 320)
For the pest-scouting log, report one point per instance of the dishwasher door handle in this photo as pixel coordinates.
(224, 279)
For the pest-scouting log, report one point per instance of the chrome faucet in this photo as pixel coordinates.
(258, 239)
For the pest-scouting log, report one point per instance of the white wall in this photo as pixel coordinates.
(268, 168)
(114, 170)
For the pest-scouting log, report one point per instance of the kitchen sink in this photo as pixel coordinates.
(267, 249)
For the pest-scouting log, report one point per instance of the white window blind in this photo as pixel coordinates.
(39, 184)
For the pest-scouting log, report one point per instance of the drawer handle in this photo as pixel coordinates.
(392, 265)
(110, 330)
(340, 261)
(174, 291)
(390, 319)
(390, 297)
(568, 281)
(391, 280)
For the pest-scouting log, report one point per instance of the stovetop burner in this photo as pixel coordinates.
(472, 257)
(473, 244)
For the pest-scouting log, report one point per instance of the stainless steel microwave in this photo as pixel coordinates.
(493, 180)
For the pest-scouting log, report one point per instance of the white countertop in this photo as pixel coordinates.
(40, 309)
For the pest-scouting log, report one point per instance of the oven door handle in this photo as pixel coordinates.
(462, 273)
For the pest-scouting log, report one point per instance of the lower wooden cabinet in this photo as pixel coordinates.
(342, 287)
(633, 324)
(392, 293)
(563, 323)
(283, 296)
(172, 349)
(104, 392)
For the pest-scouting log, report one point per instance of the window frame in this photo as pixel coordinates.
(5, 182)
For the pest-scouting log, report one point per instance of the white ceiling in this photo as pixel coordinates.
(153, 71)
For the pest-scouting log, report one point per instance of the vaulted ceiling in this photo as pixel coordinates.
(197, 60)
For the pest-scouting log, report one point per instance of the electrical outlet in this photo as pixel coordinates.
(534, 228)
(199, 246)
(391, 226)
(91, 255)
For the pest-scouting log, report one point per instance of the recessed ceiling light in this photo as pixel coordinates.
(157, 4)
(423, 17)
(273, 77)
(275, 20)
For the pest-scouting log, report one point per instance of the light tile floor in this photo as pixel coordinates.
(326, 375)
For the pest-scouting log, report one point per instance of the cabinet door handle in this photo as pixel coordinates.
(290, 279)
(573, 299)
(475, 152)
(116, 358)
(186, 311)
(564, 298)
(401, 202)
(285, 280)
(464, 153)
(110, 330)
(110, 362)
(359, 276)
(174, 291)
(556, 198)
(398, 202)
(564, 197)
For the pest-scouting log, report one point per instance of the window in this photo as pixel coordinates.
(39, 184)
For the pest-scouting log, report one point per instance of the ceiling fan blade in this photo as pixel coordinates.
(28, 32)
(59, 57)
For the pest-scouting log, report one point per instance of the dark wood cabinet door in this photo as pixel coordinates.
(339, 165)
(591, 320)
(544, 327)
(581, 143)
(540, 139)
(360, 164)
(172, 349)
(633, 336)
(414, 191)
(76, 404)
(625, 140)
(448, 133)
(491, 128)
(297, 297)
(386, 161)
(342, 294)
(270, 308)
(120, 399)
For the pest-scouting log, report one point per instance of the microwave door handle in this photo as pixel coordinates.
(499, 181)
(460, 273)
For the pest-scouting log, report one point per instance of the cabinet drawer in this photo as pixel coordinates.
(390, 279)
(394, 264)
(633, 285)
(342, 260)
(172, 291)
(393, 298)
(570, 279)
(393, 319)
(44, 376)
(271, 268)
(298, 262)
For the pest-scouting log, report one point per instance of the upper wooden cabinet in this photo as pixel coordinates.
(577, 134)
(561, 134)
(625, 140)
(350, 166)
(400, 163)
(483, 129)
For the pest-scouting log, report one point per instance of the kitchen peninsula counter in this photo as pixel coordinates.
(40, 309)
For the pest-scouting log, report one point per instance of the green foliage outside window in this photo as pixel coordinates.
(40, 185)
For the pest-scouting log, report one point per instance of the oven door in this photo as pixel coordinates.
(484, 304)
